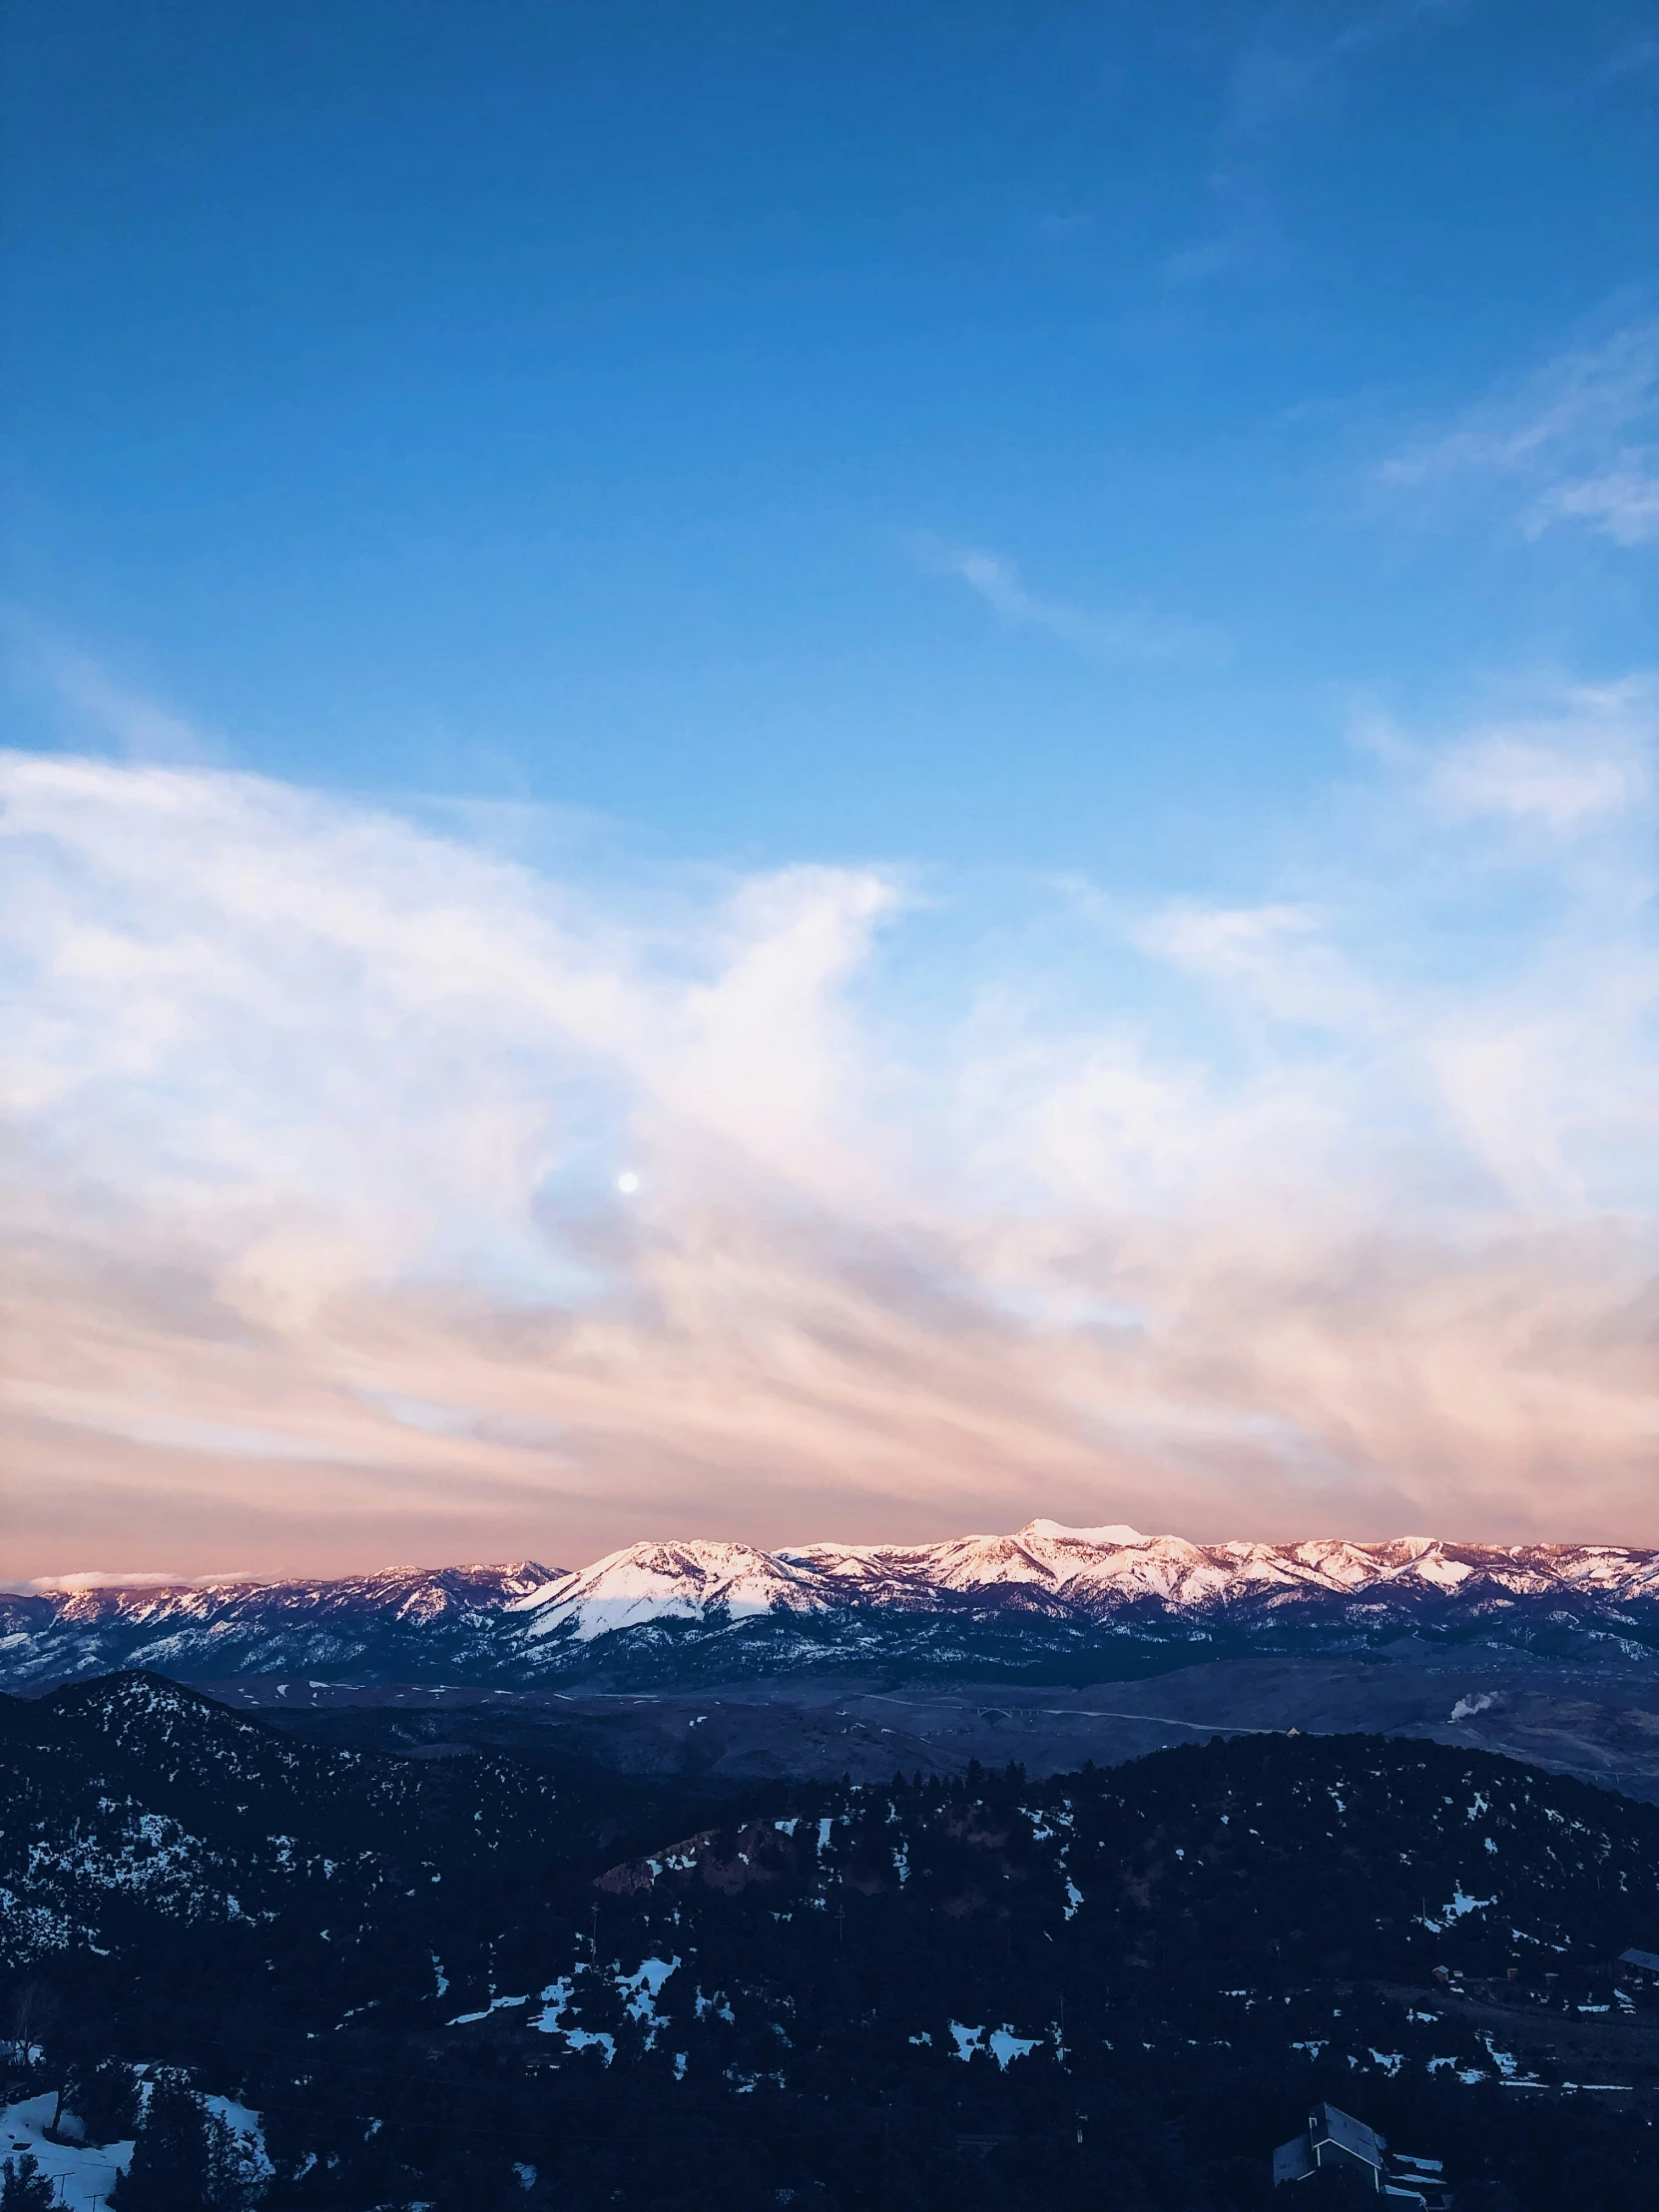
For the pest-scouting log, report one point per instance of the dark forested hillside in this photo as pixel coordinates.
(465, 1983)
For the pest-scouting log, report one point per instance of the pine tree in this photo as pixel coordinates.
(171, 2169)
(23, 2187)
(235, 2177)
(104, 2098)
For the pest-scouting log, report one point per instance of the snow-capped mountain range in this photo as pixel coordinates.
(698, 1608)
(1087, 1573)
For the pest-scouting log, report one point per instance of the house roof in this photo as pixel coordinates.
(1330, 2124)
(1648, 1960)
(1293, 2161)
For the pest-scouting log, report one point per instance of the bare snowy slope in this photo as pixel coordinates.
(686, 1581)
(1088, 1602)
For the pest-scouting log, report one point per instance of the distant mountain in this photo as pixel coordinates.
(404, 1624)
(1089, 1602)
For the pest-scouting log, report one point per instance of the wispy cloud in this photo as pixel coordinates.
(1577, 441)
(1637, 57)
(90, 707)
(1285, 71)
(1286, 66)
(1622, 501)
(319, 1245)
(122, 1578)
(1122, 634)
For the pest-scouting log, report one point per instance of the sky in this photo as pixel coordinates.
(825, 772)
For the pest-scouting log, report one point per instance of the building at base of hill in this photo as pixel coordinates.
(1334, 2138)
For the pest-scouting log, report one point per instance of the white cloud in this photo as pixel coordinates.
(315, 1120)
(1510, 775)
(1563, 762)
(1275, 958)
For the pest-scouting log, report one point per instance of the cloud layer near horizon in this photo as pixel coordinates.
(1329, 1210)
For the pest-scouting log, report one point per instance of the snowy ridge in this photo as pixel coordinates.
(1090, 1574)
(404, 1621)
(1044, 1586)
(419, 1594)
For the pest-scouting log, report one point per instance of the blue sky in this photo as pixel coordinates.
(560, 401)
(1079, 534)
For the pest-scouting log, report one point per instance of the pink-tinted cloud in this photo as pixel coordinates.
(318, 1254)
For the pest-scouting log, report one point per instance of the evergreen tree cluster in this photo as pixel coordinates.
(187, 2158)
(1104, 1990)
(23, 2187)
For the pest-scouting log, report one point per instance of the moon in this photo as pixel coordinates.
(627, 1181)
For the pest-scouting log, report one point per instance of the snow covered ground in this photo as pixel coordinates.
(82, 2175)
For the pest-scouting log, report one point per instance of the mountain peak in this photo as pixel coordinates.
(680, 1580)
(1111, 1532)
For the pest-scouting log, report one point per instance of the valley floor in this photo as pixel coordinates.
(1597, 1720)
